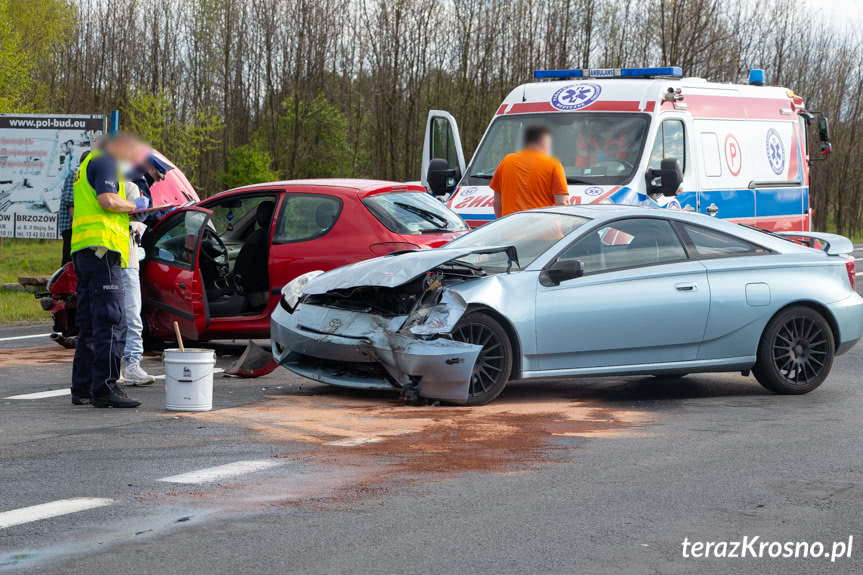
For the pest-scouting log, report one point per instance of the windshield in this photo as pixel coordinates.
(594, 148)
(532, 233)
(413, 213)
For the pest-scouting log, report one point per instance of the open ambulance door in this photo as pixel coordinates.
(443, 158)
(171, 282)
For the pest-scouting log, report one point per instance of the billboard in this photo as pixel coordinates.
(37, 152)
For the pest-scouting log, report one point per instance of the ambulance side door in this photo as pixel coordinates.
(442, 142)
(171, 283)
(725, 149)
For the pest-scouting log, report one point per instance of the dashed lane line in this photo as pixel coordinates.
(48, 510)
(211, 474)
(353, 441)
(42, 394)
(67, 391)
(25, 336)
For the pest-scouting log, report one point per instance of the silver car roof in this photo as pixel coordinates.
(607, 212)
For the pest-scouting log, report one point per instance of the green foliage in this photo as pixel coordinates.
(30, 32)
(247, 164)
(24, 257)
(316, 133)
(185, 141)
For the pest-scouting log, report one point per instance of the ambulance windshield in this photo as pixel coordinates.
(594, 148)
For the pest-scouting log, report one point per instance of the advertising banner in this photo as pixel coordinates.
(37, 153)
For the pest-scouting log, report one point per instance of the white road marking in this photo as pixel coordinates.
(354, 441)
(221, 472)
(48, 510)
(25, 336)
(42, 394)
(859, 274)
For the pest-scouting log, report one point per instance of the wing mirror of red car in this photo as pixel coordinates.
(560, 271)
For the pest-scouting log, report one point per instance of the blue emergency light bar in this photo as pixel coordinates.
(672, 71)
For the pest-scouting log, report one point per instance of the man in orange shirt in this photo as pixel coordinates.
(530, 178)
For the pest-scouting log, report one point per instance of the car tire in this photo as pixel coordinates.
(796, 352)
(494, 364)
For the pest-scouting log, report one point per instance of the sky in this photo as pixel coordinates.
(841, 12)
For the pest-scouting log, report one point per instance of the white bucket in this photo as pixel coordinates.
(189, 379)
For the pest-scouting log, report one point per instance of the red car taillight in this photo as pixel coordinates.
(851, 266)
(390, 247)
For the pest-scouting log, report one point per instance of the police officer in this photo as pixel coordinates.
(100, 250)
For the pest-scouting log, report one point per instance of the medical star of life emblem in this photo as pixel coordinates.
(775, 151)
(576, 96)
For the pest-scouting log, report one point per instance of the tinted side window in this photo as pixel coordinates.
(670, 143)
(176, 241)
(306, 217)
(627, 243)
(710, 243)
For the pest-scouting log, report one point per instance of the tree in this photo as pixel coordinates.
(320, 148)
(247, 164)
(30, 35)
(154, 118)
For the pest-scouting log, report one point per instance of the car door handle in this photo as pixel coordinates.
(686, 287)
(712, 209)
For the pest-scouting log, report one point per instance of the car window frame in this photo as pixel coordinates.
(286, 196)
(607, 223)
(274, 193)
(160, 230)
(660, 135)
(693, 249)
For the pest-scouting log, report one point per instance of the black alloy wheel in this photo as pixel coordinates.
(494, 364)
(800, 350)
(796, 351)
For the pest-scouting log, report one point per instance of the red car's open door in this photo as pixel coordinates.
(171, 282)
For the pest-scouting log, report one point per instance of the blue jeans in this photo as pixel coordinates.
(134, 325)
(101, 323)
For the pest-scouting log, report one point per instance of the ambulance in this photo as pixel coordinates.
(647, 137)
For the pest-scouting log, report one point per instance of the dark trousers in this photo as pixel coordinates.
(101, 323)
(67, 243)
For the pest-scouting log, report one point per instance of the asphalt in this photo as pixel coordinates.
(602, 475)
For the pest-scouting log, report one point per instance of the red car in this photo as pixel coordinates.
(217, 267)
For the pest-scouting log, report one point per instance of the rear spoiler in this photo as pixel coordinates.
(833, 244)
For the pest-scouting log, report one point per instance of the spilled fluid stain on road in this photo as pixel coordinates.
(356, 447)
(41, 355)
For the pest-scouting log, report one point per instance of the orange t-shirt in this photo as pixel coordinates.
(528, 179)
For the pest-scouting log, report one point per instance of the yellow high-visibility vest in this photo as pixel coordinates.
(93, 225)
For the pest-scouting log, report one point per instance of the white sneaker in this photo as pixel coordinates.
(135, 375)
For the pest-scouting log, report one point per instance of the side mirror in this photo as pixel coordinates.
(560, 271)
(670, 176)
(441, 179)
(823, 129)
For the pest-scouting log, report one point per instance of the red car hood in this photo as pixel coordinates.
(174, 189)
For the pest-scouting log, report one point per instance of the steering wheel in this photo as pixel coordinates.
(214, 255)
(627, 167)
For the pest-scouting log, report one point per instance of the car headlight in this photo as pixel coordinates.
(291, 293)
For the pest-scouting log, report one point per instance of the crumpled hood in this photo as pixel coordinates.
(392, 270)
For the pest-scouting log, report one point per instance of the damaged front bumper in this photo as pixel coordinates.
(369, 351)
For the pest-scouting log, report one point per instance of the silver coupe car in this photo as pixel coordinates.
(576, 291)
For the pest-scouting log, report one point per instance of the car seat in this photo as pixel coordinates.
(250, 269)
(325, 215)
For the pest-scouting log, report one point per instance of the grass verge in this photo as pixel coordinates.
(21, 257)
(18, 308)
